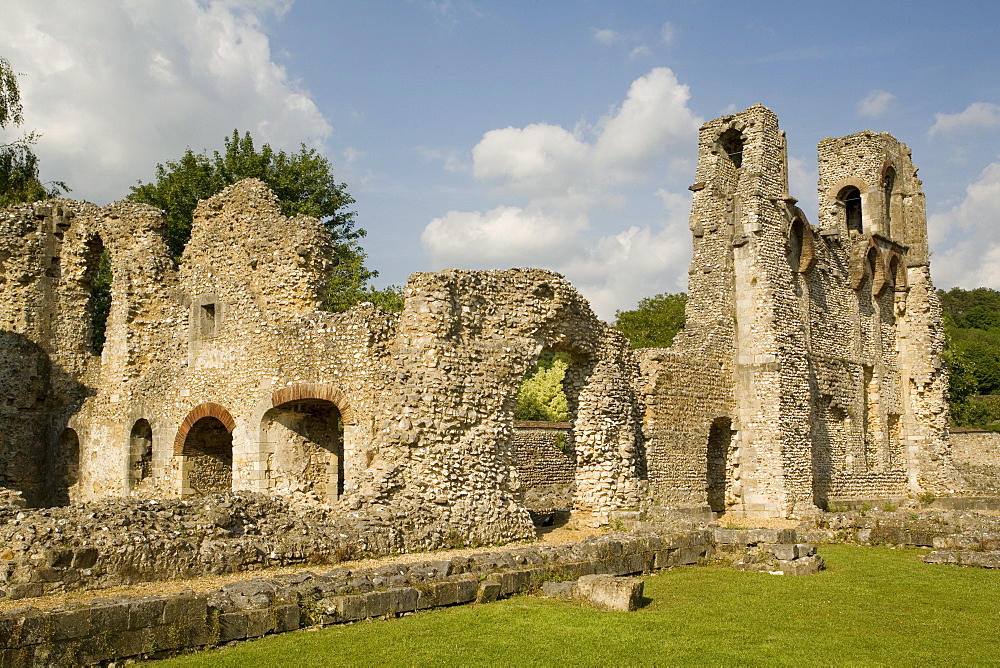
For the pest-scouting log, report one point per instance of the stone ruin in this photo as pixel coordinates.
(809, 369)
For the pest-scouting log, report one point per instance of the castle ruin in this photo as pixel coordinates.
(809, 368)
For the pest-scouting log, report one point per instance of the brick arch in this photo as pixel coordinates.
(208, 409)
(323, 391)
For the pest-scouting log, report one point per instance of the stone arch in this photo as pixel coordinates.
(320, 391)
(304, 443)
(854, 217)
(200, 411)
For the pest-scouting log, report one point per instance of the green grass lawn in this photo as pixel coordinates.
(871, 606)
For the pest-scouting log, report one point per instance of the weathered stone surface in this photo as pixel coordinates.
(607, 592)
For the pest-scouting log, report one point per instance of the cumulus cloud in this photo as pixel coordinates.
(875, 103)
(977, 116)
(564, 187)
(967, 250)
(504, 236)
(115, 87)
(605, 36)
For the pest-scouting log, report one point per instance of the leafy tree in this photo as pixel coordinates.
(654, 322)
(304, 184)
(541, 396)
(19, 180)
(972, 354)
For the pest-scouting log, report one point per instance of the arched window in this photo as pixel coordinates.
(208, 446)
(850, 197)
(888, 185)
(731, 142)
(98, 279)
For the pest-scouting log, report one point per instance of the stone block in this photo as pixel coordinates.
(71, 624)
(35, 627)
(375, 604)
(784, 551)
(610, 593)
(804, 550)
(110, 618)
(260, 622)
(286, 618)
(145, 612)
(25, 590)
(17, 657)
(802, 566)
(184, 607)
(560, 590)
(488, 591)
(232, 626)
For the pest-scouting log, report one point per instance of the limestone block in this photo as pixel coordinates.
(488, 592)
(610, 593)
(560, 590)
(802, 566)
(233, 626)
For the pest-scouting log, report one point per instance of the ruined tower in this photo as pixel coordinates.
(809, 367)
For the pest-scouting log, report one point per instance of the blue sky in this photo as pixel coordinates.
(500, 134)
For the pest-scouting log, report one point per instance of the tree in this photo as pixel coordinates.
(541, 396)
(304, 184)
(972, 354)
(19, 180)
(654, 322)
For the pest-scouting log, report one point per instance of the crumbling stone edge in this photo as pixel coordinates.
(129, 627)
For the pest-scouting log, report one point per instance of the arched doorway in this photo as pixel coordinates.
(306, 439)
(208, 453)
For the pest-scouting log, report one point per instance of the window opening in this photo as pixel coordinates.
(718, 472)
(542, 395)
(851, 198)
(141, 451)
(207, 320)
(731, 142)
(890, 183)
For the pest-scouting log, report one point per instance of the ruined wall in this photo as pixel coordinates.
(809, 367)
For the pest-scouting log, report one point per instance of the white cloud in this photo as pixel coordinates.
(605, 36)
(543, 160)
(977, 116)
(875, 103)
(964, 239)
(668, 33)
(115, 87)
(505, 236)
(569, 184)
(641, 50)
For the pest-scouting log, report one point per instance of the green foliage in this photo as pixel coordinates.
(302, 181)
(19, 181)
(972, 354)
(872, 606)
(541, 396)
(654, 322)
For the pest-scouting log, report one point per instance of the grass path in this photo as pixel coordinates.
(871, 606)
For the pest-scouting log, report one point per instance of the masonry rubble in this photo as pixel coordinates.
(809, 370)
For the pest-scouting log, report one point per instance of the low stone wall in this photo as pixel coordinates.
(975, 448)
(116, 542)
(126, 627)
